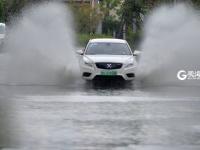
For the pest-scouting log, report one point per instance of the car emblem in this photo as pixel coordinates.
(109, 66)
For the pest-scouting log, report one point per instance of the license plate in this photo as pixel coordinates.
(108, 73)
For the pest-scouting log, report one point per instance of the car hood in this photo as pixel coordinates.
(109, 58)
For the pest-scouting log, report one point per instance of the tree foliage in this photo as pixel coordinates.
(2, 10)
(196, 3)
(86, 18)
(132, 12)
(9, 8)
(110, 11)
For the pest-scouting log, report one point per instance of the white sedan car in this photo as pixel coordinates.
(2, 32)
(107, 58)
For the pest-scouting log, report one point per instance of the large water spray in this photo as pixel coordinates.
(170, 44)
(40, 46)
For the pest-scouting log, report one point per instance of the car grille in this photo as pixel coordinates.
(109, 65)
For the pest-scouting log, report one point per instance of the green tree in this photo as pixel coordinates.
(2, 10)
(16, 6)
(196, 3)
(110, 12)
(86, 17)
(132, 14)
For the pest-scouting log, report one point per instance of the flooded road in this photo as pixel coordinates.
(105, 115)
(84, 117)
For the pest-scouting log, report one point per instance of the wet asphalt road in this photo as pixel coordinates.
(91, 117)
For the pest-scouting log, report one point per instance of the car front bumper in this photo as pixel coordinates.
(89, 73)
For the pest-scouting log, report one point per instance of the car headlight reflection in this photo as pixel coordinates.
(129, 63)
(88, 62)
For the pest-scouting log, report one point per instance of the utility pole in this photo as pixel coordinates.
(94, 2)
(124, 31)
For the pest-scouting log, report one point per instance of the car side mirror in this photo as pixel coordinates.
(136, 53)
(80, 52)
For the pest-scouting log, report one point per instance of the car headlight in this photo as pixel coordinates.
(87, 62)
(129, 63)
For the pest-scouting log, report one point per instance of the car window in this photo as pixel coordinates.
(2, 29)
(108, 49)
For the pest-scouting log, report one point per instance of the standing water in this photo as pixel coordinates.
(39, 49)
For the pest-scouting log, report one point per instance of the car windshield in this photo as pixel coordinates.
(108, 49)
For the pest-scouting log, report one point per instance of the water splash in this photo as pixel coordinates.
(171, 43)
(40, 46)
